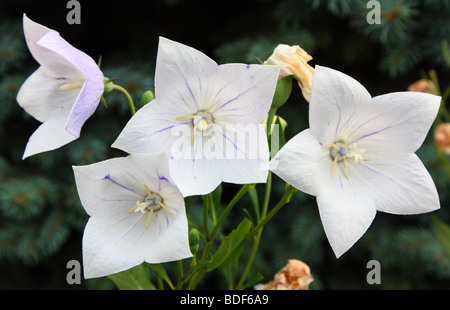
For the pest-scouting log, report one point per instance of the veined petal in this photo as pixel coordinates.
(396, 123)
(336, 101)
(243, 93)
(176, 63)
(153, 128)
(116, 238)
(302, 162)
(245, 154)
(346, 212)
(402, 186)
(85, 105)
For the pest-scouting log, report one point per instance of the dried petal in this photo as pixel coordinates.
(293, 60)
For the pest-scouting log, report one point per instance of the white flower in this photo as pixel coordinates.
(207, 116)
(62, 93)
(136, 214)
(358, 157)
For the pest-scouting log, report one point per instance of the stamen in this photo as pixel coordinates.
(150, 213)
(147, 190)
(207, 110)
(132, 209)
(346, 168)
(70, 86)
(334, 165)
(186, 116)
(164, 207)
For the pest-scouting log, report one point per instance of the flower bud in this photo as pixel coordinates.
(194, 239)
(147, 97)
(282, 92)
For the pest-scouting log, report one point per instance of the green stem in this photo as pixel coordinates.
(205, 215)
(180, 274)
(244, 189)
(128, 96)
(259, 233)
(284, 200)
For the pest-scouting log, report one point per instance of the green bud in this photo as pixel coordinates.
(108, 87)
(147, 97)
(282, 92)
(194, 239)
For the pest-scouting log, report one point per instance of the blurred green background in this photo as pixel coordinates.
(41, 219)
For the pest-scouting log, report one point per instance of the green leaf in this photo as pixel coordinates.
(231, 246)
(443, 235)
(161, 272)
(257, 278)
(137, 278)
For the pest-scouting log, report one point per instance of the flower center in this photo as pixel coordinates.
(340, 151)
(152, 202)
(202, 122)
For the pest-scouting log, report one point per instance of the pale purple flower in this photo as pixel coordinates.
(137, 214)
(207, 116)
(62, 93)
(358, 157)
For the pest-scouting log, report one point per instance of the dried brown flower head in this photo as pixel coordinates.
(296, 275)
(293, 60)
(442, 137)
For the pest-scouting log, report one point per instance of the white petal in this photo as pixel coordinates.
(40, 95)
(396, 122)
(336, 101)
(195, 176)
(154, 128)
(176, 63)
(243, 92)
(115, 240)
(110, 187)
(346, 212)
(56, 64)
(402, 186)
(50, 135)
(301, 162)
(246, 154)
